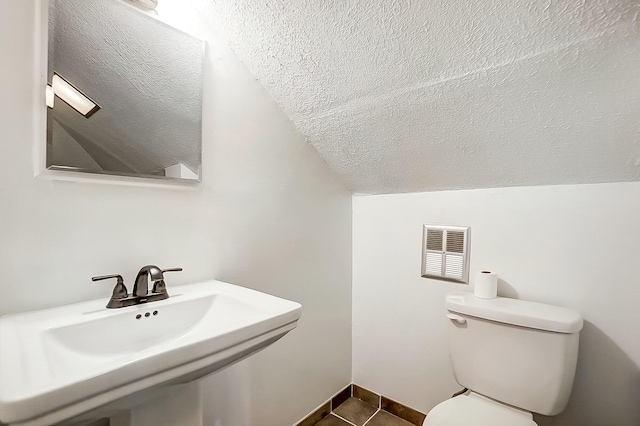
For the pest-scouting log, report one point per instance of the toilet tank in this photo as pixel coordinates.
(517, 352)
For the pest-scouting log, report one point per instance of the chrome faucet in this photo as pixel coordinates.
(121, 298)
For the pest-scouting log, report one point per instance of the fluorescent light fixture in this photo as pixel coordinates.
(50, 96)
(72, 96)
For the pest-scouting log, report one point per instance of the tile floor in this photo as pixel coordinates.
(356, 406)
(356, 412)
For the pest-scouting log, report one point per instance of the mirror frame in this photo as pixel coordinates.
(40, 170)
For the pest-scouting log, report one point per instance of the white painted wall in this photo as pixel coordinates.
(268, 215)
(576, 246)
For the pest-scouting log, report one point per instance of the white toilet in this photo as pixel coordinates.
(515, 357)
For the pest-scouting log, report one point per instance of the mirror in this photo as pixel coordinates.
(124, 92)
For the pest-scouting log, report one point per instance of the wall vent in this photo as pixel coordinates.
(445, 252)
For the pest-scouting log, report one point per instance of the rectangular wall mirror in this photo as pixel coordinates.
(124, 93)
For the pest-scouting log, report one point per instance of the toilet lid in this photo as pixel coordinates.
(476, 410)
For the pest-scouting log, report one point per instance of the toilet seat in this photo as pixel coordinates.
(476, 410)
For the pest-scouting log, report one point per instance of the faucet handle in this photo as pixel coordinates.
(119, 291)
(106, 277)
(160, 286)
(172, 270)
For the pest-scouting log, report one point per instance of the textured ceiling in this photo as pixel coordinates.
(411, 95)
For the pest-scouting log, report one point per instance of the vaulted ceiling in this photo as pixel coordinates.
(410, 95)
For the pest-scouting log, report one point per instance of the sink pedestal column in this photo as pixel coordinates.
(181, 406)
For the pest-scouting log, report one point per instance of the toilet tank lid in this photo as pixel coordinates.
(516, 312)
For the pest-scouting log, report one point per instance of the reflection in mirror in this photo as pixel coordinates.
(124, 92)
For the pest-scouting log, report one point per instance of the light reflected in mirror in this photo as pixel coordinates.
(124, 92)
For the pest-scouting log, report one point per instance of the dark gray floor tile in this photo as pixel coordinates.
(355, 410)
(332, 420)
(407, 413)
(341, 397)
(382, 418)
(366, 395)
(316, 416)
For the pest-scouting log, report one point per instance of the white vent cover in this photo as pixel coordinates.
(445, 252)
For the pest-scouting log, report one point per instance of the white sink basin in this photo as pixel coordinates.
(58, 363)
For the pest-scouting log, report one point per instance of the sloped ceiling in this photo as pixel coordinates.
(401, 96)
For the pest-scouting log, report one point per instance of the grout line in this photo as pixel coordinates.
(342, 418)
(372, 416)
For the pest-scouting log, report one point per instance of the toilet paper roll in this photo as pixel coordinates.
(486, 286)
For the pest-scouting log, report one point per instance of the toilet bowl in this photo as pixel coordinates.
(515, 357)
(476, 410)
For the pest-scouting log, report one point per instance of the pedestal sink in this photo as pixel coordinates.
(56, 364)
